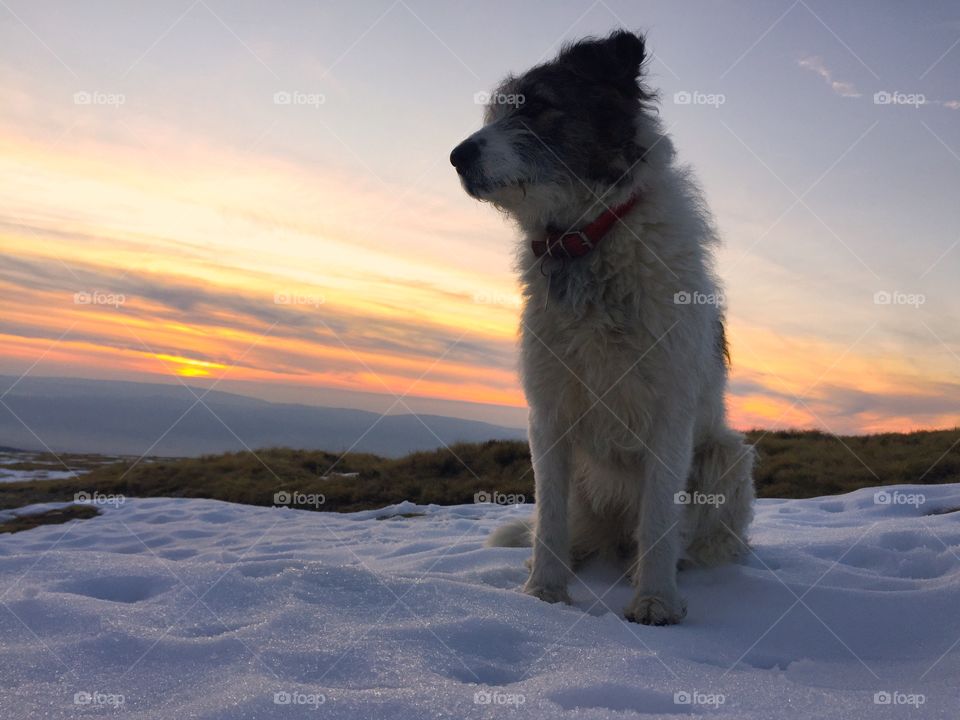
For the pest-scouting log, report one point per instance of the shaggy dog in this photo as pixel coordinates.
(624, 360)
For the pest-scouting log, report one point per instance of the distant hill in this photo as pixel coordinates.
(127, 418)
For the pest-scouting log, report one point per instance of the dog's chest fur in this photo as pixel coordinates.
(587, 349)
(605, 345)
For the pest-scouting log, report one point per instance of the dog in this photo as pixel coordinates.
(624, 361)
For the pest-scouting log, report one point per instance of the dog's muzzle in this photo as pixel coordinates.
(465, 155)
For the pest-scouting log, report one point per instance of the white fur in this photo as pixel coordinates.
(626, 387)
(500, 157)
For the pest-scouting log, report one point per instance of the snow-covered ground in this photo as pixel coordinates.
(173, 608)
(45, 466)
(7, 475)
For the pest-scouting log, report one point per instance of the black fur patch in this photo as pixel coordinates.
(581, 109)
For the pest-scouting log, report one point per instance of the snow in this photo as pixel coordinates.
(35, 509)
(178, 608)
(46, 466)
(49, 466)
(9, 475)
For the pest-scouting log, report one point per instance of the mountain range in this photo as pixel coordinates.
(131, 418)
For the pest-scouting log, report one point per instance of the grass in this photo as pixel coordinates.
(793, 464)
(20, 523)
(47, 461)
(797, 464)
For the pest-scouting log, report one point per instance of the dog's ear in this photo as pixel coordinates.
(616, 58)
(629, 50)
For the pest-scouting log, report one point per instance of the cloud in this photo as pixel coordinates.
(846, 409)
(42, 289)
(815, 64)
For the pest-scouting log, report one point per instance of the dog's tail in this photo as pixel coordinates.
(516, 533)
(722, 465)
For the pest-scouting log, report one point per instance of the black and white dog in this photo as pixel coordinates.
(623, 349)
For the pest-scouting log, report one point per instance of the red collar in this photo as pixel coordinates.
(577, 243)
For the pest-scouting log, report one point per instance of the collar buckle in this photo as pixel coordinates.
(576, 243)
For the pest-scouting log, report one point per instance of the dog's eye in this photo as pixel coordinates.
(534, 105)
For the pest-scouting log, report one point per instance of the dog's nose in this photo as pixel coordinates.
(464, 155)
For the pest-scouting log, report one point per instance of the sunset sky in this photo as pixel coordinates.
(258, 195)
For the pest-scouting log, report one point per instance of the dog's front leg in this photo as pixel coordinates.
(665, 466)
(551, 454)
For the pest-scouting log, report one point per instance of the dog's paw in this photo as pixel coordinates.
(656, 610)
(548, 593)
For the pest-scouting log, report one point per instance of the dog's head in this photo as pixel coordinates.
(564, 131)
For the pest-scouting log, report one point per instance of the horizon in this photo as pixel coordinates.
(431, 409)
(260, 200)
